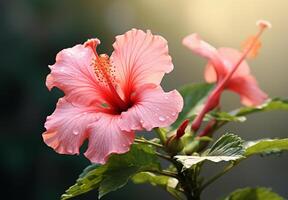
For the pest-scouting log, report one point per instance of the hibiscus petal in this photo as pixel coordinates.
(153, 108)
(248, 89)
(230, 57)
(74, 74)
(210, 74)
(202, 48)
(66, 128)
(106, 138)
(140, 58)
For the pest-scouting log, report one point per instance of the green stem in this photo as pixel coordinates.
(196, 186)
(148, 142)
(165, 157)
(161, 134)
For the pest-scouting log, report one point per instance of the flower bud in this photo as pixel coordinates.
(181, 129)
(174, 145)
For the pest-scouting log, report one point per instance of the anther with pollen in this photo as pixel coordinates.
(105, 74)
(104, 70)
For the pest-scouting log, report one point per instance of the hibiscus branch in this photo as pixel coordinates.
(143, 141)
(184, 182)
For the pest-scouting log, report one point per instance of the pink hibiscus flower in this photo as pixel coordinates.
(107, 99)
(228, 68)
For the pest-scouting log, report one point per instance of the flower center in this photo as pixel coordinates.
(105, 75)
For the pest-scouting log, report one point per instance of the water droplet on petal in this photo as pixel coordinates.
(166, 97)
(167, 117)
(173, 114)
(141, 121)
(161, 118)
(62, 70)
(157, 109)
(75, 132)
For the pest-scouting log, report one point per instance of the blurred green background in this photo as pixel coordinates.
(33, 31)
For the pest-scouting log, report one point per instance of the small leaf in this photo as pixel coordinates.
(153, 179)
(229, 147)
(88, 180)
(115, 173)
(266, 146)
(205, 139)
(194, 96)
(259, 193)
(226, 117)
(239, 114)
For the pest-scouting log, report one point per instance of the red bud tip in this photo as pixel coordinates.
(181, 129)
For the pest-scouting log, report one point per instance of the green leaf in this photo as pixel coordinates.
(88, 169)
(226, 117)
(167, 183)
(87, 181)
(269, 105)
(265, 146)
(194, 96)
(116, 172)
(228, 147)
(149, 177)
(189, 161)
(259, 193)
(239, 114)
(122, 167)
(115, 179)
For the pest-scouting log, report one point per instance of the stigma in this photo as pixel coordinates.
(263, 24)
